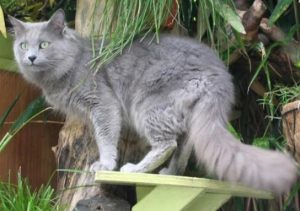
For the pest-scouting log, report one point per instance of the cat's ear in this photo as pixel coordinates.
(57, 21)
(18, 25)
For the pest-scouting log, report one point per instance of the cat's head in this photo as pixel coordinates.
(46, 48)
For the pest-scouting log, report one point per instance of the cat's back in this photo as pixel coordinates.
(175, 69)
(174, 48)
(175, 60)
(148, 66)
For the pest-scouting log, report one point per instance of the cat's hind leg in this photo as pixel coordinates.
(179, 160)
(161, 128)
(159, 154)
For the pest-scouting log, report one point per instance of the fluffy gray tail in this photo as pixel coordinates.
(230, 160)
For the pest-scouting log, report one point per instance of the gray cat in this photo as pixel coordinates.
(176, 94)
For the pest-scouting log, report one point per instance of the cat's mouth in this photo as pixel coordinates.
(34, 67)
(32, 64)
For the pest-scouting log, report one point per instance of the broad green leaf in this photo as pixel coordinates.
(2, 23)
(281, 6)
(230, 16)
(8, 110)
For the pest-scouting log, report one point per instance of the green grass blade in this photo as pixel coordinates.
(4, 141)
(292, 195)
(34, 109)
(20, 197)
(8, 110)
(279, 10)
(263, 62)
(122, 20)
(31, 111)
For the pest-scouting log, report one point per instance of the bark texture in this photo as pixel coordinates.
(77, 150)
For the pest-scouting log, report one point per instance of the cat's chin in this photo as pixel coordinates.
(33, 68)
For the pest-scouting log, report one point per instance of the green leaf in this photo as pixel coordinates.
(8, 110)
(293, 193)
(2, 23)
(52, 2)
(294, 53)
(230, 16)
(31, 111)
(262, 142)
(232, 130)
(279, 9)
(34, 109)
(21, 196)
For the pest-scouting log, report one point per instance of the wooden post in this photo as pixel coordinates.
(84, 14)
(77, 150)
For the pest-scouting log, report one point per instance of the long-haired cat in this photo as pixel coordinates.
(177, 95)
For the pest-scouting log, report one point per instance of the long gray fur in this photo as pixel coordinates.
(176, 94)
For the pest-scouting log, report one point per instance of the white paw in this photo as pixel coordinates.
(129, 167)
(165, 171)
(100, 166)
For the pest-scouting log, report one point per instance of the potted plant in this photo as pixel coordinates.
(291, 119)
(286, 101)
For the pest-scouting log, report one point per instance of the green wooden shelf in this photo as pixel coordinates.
(173, 193)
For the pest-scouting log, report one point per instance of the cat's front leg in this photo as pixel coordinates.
(107, 126)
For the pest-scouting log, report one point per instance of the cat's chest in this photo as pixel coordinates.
(67, 103)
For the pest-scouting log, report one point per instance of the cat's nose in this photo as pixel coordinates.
(32, 58)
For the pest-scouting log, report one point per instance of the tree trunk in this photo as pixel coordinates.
(77, 150)
(85, 12)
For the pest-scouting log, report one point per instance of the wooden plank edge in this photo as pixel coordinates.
(213, 186)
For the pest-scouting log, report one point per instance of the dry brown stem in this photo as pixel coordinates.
(291, 48)
(251, 19)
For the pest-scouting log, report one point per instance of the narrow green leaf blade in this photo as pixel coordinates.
(233, 131)
(279, 9)
(230, 16)
(8, 110)
(35, 107)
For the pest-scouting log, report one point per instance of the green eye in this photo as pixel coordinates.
(23, 45)
(44, 44)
